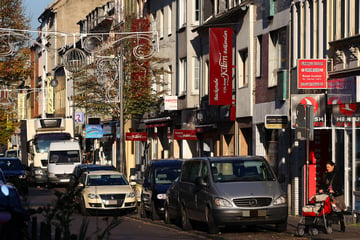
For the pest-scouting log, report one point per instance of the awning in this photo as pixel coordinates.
(203, 127)
(157, 122)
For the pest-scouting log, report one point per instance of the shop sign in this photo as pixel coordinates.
(312, 74)
(276, 121)
(220, 55)
(185, 134)
(93, 131)
(136, 136)
(344, 115)
(170, 103)
(317, 101)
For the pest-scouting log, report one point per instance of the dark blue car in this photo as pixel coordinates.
(158, 176)
(15, 173)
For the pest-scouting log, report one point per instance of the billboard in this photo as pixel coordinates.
(220, 54)
(312, 74)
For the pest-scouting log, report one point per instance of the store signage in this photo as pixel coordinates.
(220, 54)
(346, 115)
(93, 131)
(312, 74)
(276, 121)
(136, 136)
(170, 103)
(185, 134)
(317, 101)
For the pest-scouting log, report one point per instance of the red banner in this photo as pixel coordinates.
(136, 136)
(220, 66)
(185, 134)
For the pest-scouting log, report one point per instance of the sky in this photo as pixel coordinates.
(33, 9)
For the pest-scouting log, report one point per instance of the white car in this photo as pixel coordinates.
(105, 190)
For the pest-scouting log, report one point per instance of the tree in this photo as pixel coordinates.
(96, 86)
(14, 60)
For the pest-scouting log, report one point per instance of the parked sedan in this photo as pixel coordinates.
(14, 173)
(105, 190)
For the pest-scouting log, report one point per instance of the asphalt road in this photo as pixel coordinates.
(130, 226)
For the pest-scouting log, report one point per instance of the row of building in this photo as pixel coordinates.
(282, 54)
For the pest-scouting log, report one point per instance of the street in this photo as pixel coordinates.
(132, 227)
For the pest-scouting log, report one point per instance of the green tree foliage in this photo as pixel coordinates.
(97, 86)
(7, 125)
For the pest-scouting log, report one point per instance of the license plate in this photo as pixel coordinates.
(64, 180)
(110, 202)
(254, 213)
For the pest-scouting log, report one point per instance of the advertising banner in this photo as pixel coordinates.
(317, 101)
(346, 115)
(94, 131)
(220, 54)
(312, 74)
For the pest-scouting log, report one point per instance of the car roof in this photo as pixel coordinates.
(224, 158)
(104, 172)
(166, 162)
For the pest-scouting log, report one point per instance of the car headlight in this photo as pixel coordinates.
(92, 196)
(38, 172)
(221, 202)
(130, 195)
(161, 196)
(22, 176)
(280, 200)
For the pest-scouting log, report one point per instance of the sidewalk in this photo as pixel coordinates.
(352, 229)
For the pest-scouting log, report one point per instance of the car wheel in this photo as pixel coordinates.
(167, 217)
(141, 210)
(212, 227)
(154, 214)
(281, 227)
(84, 211)
(185, 222)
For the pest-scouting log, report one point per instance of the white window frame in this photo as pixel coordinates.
(182, 76)
(169, 79)
(161, 23)
(275, 55)
(196, 75)
(169, 20)
(243, 68)
(182, 13)
(197, 11)
(206, 78)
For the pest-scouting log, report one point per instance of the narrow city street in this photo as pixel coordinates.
(130, 226)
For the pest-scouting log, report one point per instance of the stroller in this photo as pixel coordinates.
(318, 213)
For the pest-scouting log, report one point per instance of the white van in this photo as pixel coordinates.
(63, 156)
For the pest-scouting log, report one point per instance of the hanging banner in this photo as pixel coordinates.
(220, 54)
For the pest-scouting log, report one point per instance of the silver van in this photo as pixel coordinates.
(224, 191)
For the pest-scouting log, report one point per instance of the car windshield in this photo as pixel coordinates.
(241, 170)
(8, 165)
(70, 156)
(166, 175)
(12, 153)
(106, 180)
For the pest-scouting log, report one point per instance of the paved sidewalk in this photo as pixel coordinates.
(352, 230)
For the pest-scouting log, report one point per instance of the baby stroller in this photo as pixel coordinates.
(316, 214)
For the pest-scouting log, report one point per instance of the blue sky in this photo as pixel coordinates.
(33, 9)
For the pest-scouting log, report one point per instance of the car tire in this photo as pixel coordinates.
(212, 227)
(185, 222)
(141, 210)
(84, 211)
(154, 214)
(281, 227)
(167, 217)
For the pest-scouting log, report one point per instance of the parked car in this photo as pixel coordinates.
(105, 190)
(79, 169)
(224, 191)
(158, 176)
(13, 217)
(2, 177)
(15, 173)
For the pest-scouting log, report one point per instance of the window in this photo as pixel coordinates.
(196, 78)
(169, 79)
(277, 54)
(243, 75)
(169, 20)
(206, 78)
(182, 77)
(197, 11)
(161, 23)
(258, 56)
(182, 13)
(190, 171)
